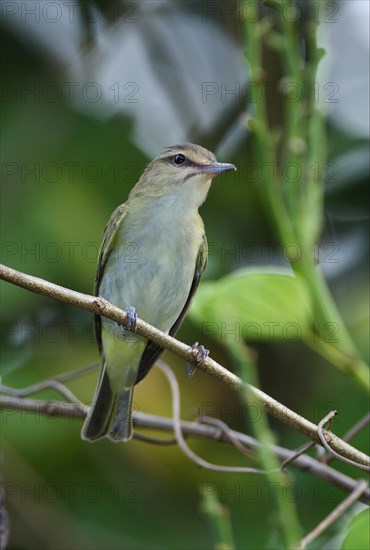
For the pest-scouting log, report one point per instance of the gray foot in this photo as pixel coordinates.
(131, 320)
(200, 353)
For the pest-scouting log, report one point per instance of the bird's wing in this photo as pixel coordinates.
(109, 235)
(152, 350)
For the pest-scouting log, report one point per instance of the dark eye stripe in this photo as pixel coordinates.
(187, 162)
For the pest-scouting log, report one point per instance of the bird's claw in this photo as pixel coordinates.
(190, 370)
(131, 320)
(200, 353)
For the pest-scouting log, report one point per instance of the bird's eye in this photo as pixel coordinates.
(179, 159)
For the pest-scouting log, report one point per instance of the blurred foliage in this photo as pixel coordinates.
(68, 159)
(257, 305)
(358, 534)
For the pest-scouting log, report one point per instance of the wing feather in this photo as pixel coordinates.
(110, 232)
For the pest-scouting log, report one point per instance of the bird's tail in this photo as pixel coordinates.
(110, 413)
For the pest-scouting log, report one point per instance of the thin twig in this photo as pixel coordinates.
(154, 440)
(44, 385)
(180, 438)
(48, 408)
(329, 418)
(77, 373)
(306, 447)
(356, 428)
(228, 433)
(361, 486)
(100, 306)
(352, 432)
(195, 429)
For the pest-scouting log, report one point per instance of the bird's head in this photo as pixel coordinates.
(181, 173)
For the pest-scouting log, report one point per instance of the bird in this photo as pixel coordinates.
(153, 253)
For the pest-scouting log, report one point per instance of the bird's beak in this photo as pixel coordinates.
(217, 168)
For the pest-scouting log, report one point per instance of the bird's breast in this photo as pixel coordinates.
(156, 275)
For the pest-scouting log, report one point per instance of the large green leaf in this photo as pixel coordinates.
(358, 534)
(254, 305)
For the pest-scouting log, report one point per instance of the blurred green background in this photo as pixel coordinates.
(91, 91)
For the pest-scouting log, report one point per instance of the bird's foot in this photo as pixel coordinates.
(200, 353)
(131, 321)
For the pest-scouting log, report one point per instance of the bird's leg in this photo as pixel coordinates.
(200, 353)
(190, 370)
(130, 324)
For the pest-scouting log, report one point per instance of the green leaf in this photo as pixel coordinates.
(358, 534)
(254, 305)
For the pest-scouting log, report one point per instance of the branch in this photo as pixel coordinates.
(175, 391)
(359, 489)
(197, 429)
(329, 418)
(100, 306)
